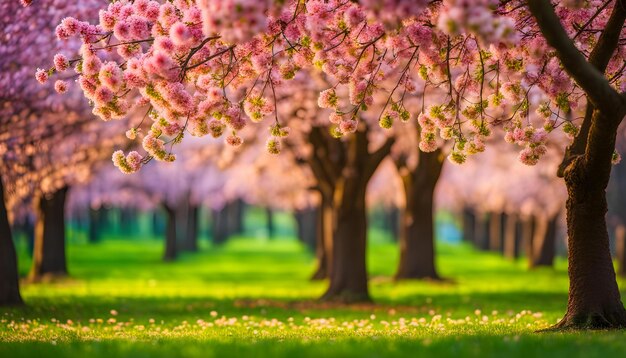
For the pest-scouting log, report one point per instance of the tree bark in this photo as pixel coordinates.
(348, 276)
(171, 251)
(324, 237)
(512, 231)
(234, 211)
(495, 231)
(219, 225)
(481, 233)
(544, 243)
(469, 226)
(190, 242)
(49, 260)
(620, 249)
(94, 230)
(306, 222)
(269, 222)
(594, 300)
(417, 241)
(9, 280)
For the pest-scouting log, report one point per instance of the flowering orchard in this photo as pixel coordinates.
(211, 67)
(528, 68)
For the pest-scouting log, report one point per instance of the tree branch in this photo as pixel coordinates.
(586, 75)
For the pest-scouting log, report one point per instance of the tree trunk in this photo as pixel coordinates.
(324, 237)
(348, 278)
(594, 300)
(9, 280)
(234, 212)
(620, 248)
(512, 228)
(481, 233)
(190, 241)
(306, 221)
(417, 241)
(269, 223)
(49, 259)
(544, 243)
(94, 229)
(170, 253)
(219, 225)
(469, 226)
(528, 229)
(495, 231)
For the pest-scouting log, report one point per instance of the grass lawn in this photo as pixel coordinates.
(253, 298)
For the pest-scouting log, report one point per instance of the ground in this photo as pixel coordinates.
(253, 298)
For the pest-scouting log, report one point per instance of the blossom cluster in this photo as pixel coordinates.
(208, 67)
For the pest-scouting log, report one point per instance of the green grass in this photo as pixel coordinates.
(253, 298)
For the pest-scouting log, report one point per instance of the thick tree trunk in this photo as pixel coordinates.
(417, 241)
(469, 226)
(544, 243)
(9, 280)
(49, 260)
(348, 278)
(512, 232)
(620, 249)
(171, 251)
(190, 240)
(324, 237)
(594, 299)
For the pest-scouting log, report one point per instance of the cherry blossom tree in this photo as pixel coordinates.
(203, 64)
(47, 142)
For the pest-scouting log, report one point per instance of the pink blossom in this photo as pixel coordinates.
(60, 86)
(41, 75)
(60, 62)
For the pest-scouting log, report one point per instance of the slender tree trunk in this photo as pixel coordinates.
(469, 226)
(417, 242)
(170, 252)
(528, 229)
(495, 231)
(219, 227)
(190, 241)
(49, 260)
(324, 246)
(544, 243)
(94, 229)
(511, 236)
(620, 248)
(482, 231)
(306, 222)
(269, 223)
(234, 212)
(9, 280)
